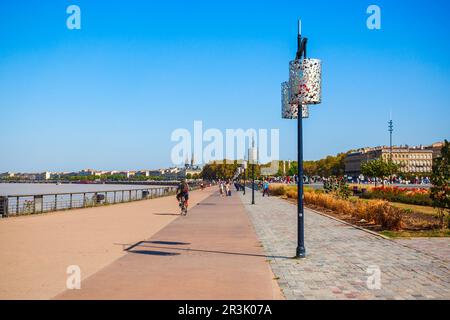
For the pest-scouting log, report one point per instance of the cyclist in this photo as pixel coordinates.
(183, 191)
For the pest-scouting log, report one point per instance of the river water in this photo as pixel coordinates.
(46, 188)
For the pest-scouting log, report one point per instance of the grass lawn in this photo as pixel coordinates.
(415, 234)
(421, 209)
(413, 207)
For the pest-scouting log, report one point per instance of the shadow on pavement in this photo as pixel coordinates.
(153, 253)
(142, 244)
(169, 243)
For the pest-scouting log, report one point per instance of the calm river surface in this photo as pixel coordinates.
(45, 188)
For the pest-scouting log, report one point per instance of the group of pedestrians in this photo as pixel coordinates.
(225, 189)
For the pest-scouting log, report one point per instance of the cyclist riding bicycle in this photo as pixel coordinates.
(183, 191)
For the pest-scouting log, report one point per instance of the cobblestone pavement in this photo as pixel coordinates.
(342, 261)
(438, 247)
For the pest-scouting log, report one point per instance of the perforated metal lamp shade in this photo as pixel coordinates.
(310, 91)
(288, 110)
(294, 81)
(305, 81)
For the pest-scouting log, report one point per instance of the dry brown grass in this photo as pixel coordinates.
(375, 212)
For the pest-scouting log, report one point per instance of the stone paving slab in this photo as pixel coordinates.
(340, 259)
(212, 253)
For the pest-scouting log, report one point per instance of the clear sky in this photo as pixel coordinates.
(108, 96)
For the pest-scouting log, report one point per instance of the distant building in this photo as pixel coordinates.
(412, 159)
(128, 174)
(190, 168)
(143, 173)
(86, 172)
(7, 175)
(436, 148)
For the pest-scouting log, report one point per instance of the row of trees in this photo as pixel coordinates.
(224, 170)
(330, 166)
(327, 167)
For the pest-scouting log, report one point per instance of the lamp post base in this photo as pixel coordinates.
(301, 252)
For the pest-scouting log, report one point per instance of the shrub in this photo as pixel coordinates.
(379, 212)
(277, 190)
(402, 195)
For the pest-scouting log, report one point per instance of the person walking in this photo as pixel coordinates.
(266, 188)
(221, 188)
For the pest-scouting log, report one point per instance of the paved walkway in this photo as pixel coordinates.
(339, 256)
(213, 253)
(36, 250)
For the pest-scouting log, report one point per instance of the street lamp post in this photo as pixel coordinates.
(244, 165)
(253, 183)
(252, 159)
(302, 90)
(301, 251)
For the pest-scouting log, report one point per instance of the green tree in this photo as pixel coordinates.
(379, 169)
(440, 178)
(293, 169)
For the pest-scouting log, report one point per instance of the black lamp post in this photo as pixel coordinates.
(301, 251)
(252, 158)
(302, 90)
(253, 183)
(244, 165)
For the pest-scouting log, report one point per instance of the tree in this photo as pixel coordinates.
(293, 169)
(440, 178)
(224, 170)
(379, 169)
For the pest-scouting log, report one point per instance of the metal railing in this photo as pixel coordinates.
(12, 205)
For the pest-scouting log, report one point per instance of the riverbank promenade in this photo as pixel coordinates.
(212, 253)
(225, 248)
(141, 250)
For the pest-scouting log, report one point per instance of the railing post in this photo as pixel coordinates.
(17, 205)
(84, 200)
(123, 194)
(70, 205)
(129, 197)
(38, 203)
(4, 206)
(115, 196)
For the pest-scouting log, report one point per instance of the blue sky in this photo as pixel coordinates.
(108, 96)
